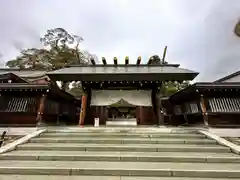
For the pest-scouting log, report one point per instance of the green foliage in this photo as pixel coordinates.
(57, 37)
(31, 58)
(170, 88)
(237, 29)
(60, 49)
(157, 60)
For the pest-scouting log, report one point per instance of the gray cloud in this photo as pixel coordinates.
(199, 33)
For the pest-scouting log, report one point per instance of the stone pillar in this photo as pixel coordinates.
(204, 110)
(83, 110)
(41, 110)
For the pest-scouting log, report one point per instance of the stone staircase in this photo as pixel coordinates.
(120, 154)
(235, 140)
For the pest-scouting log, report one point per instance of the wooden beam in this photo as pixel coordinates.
(104, 61)
(93, 61)
(115, 60)
(164, 54)
(127, 60)
(139, 60)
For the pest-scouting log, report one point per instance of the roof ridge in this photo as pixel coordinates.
(228, 76)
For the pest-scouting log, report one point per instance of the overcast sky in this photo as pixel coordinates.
(198, 33)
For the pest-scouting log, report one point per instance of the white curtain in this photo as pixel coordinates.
(109, 97)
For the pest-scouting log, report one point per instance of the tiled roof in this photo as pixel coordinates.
(201, 87)
(28, 75)
(142, 69)
(228, 77)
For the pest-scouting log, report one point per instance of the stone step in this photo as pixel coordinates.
(93, 168)
(56, 177)
(235, 140)
(126, 135)
(109, 140)
(123, 147)
(122, 156)
(121, 130)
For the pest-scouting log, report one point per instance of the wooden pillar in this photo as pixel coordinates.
(83, 110)
(60, 115)
(159, 105)
(103, 115)
(141, 114)
(100, 114)
(106, 115)
(138, 115)
(41, 110)
(160, 117)
(204, 110)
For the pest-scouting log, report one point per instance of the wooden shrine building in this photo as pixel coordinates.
(25, 104)
(212, 104)
(122, 92)
(29, 103)
(114, 93)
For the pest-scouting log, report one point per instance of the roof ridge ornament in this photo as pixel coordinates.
(126, 60)
(104, 61)
(115, 60)
(92, 61)
(139, 60)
